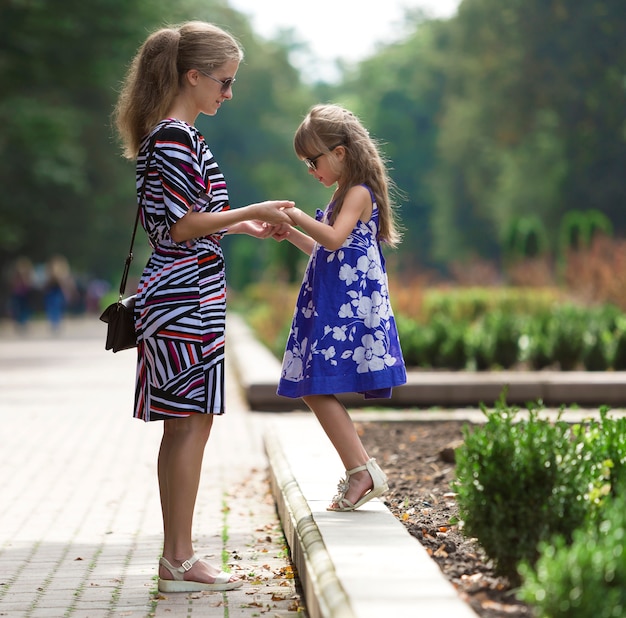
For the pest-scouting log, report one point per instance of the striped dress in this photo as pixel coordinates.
(181, 298)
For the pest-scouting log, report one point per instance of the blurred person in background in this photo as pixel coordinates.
(59, 290)
(21, 290)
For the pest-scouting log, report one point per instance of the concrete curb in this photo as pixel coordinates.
(322, 588)
(362, 564)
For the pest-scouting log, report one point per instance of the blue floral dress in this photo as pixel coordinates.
(343, 336)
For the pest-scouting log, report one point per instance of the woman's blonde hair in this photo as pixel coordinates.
(328, 126)
(155, 75)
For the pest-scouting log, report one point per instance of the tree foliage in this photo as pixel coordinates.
(532, 117)
(511, 112)
(66, 187)
(508, 110)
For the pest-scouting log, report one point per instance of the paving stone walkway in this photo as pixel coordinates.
(80, 525)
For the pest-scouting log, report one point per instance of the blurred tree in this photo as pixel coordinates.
(509, 111)
(532, 120)
(398, 92)
(66, 187)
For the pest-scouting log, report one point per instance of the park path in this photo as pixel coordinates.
(80, 525)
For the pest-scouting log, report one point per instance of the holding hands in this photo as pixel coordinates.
(269, 217)
(274, 211)
(273, 218)
(280, 232)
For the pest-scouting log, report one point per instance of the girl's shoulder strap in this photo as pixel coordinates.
(371, 193)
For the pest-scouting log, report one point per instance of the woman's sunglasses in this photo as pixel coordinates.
(226, 84)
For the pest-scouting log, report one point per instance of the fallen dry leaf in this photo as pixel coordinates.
(499, 607)
(441, 552)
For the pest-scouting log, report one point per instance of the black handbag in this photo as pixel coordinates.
(120, 315)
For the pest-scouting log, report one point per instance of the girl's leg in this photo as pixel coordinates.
(340, 429)
(179, 468)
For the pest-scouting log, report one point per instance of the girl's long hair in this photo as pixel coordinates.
(327, 126)
(155, 75)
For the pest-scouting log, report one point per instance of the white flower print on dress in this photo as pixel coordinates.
(344, 321)
(370, 310)
(339, 333)
(309, 310)
(370, 356)
(370, 264)
(293, 365)
(348, 274)
(329, 354)
(345, 311)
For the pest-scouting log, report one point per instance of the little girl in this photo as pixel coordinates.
(343, 337)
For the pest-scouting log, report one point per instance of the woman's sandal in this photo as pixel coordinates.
(379, 478)
(179, 584)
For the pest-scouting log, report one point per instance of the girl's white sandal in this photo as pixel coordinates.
(379, 478)
(179, 584)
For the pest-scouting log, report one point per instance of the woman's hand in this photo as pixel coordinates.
(258, 229)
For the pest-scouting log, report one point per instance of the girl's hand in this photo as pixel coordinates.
(280, 232)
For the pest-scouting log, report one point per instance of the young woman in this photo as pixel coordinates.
(343, 337)
(177, 74)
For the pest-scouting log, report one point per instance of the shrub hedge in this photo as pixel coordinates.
(584, 579)
(480, 337)
(534, 491)
(475, 328)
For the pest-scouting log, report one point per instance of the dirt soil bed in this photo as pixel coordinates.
(418, 459)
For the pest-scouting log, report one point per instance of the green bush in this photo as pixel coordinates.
(468, 304)
(619, 352)
(480, 346)
(506, 334)
(535, 341)
(601, 324)
(566, 329)
(451, 349)
(597, 350)
(586, 579)
(415, 340)
(519, 482)
(606, 441)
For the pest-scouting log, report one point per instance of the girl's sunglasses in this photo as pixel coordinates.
(310, 162)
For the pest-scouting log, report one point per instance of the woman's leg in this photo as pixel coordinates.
(179, 468)
(338, 425)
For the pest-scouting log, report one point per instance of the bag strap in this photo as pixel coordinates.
(129, 259)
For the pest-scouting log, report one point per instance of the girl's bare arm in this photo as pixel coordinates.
(357, 206)
(297, 238)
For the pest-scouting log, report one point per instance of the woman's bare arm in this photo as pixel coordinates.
(198, 224)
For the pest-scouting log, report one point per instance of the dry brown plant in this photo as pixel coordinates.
(531, 272)
(407, 294)
(598, 274)
(475, 272)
